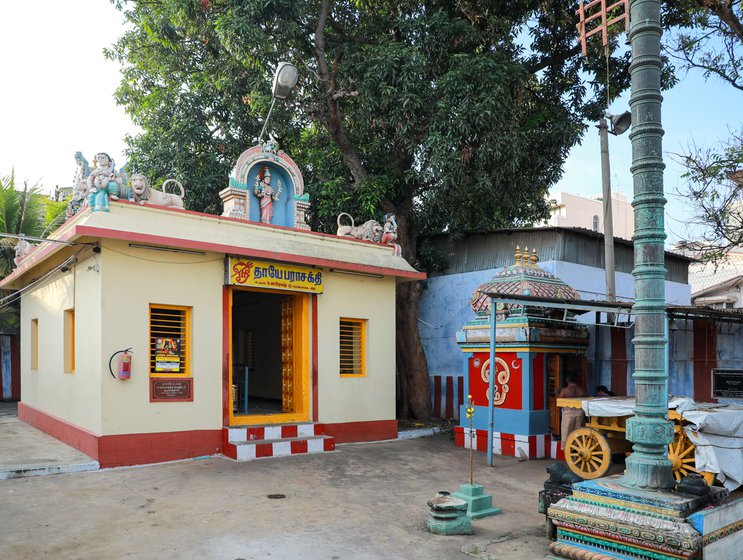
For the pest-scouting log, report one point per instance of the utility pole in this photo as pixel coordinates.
(608, 220)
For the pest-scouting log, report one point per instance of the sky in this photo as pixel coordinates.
(57, 92)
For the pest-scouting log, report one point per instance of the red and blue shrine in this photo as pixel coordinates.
(535, 348)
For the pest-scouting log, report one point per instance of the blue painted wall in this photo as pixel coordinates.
(283, 208)
(444, 308)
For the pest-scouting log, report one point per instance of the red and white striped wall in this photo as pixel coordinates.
(510, 445)
(447, 394)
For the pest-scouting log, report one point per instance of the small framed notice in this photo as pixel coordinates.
(727, 383)
(168, 355)
(171, 389)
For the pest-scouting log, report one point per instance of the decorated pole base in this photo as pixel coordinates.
(479, 504)
(448, 516)
(608, 520)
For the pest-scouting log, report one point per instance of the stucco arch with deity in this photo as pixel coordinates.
(266, 186)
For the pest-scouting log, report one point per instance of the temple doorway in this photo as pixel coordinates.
(268, 357)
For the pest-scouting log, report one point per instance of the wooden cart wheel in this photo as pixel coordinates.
(681, 455)
(587, 453)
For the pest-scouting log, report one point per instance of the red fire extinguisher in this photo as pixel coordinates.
(125, 364)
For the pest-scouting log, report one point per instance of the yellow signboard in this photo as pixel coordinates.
(262, 274)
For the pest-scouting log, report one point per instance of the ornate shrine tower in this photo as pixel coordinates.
(535, 348)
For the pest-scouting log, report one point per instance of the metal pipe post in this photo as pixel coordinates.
(491, 383)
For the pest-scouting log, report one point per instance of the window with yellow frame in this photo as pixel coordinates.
(170, 340)
(352, 347)
(69, 341)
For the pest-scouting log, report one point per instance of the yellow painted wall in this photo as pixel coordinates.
(73, 397)
(111, 293)
(357, 399)
(133, 279)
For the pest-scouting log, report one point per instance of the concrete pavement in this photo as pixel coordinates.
(365, 501)
(26, 451)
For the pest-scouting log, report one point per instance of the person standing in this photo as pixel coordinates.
(572, 418)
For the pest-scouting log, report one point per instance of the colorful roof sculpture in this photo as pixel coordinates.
(522, 278)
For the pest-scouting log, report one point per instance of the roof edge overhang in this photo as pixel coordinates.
(78, 231)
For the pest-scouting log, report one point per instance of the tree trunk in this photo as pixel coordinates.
(415, 398)
(412, 367)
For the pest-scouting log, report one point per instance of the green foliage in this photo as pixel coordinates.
(707, 37)
(714, 188)
(454, 116)
(22, 212)
(458, 115)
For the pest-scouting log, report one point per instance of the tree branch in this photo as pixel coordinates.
(335, 117)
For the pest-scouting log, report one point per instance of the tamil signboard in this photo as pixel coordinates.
(279, 276)
(727, 383)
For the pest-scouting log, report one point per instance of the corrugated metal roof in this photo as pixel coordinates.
(495, 249)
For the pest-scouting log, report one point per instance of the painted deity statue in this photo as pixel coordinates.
(104, 182)
(264, 191)
(389, 235)
(79, 185)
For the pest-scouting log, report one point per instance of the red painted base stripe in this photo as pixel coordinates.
(532, 447)
(349, 432)
(299, 446)
(460, 399)
(481, 440)
(449, 397)
(256, 433)
(75, 436)
(264, 450)
(288, 431)
(508, 445)
(437, 396)
(328, 444)
(126, 449)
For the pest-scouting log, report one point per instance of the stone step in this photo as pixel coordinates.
(246, 443)
(256, 449)
(245, 434)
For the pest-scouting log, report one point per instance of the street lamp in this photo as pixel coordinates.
(284, 79)
(619, 125)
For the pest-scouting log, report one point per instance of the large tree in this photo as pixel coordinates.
(455, 116)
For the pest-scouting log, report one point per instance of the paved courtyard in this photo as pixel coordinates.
(364, 501)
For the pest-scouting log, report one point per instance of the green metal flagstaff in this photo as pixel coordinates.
(648, 466)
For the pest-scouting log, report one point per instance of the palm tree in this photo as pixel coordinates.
(22, 212)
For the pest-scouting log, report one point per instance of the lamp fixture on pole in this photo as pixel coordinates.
(617, 124)
(284, 79)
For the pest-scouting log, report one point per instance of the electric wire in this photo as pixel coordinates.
(12, 298)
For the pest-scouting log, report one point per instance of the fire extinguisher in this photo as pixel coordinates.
(125, 364)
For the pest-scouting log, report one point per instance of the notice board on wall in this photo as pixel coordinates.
(727, 383)
(171, 389)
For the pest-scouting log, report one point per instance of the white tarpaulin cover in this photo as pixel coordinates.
(715, 429)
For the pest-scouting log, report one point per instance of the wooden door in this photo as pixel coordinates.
(554, 383)
(287, 354)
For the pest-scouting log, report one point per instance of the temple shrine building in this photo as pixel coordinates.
(151, 333)
(534, 348)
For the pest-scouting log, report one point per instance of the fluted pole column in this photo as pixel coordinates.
(648, 466)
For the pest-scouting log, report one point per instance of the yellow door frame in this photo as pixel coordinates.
(302, 359)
